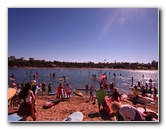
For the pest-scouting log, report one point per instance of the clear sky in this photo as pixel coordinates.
(84, 34)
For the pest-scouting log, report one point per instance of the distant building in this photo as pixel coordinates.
(31, 59)
(12, 58)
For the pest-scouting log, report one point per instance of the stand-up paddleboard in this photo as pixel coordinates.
(49, 104)
(11, 92)
(141, 99)
(14, 117)
(12, 79)
(82, 89)
(149, 113)
(36, 91)
(78, 93)
(64, 94)
(62, 79)
(50, 76)
(52, 93)
(74, 117)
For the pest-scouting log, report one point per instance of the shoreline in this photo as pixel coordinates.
(81, 68)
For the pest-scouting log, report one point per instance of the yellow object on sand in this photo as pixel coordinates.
(78, 93)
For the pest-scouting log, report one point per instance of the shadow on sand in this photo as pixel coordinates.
(103, 114)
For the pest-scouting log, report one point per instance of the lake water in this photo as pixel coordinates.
(78, 78)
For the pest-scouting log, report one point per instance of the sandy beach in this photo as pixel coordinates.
(63, 108)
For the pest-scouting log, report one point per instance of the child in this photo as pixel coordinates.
(91, 93)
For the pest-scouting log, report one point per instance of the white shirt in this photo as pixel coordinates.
(127, 112)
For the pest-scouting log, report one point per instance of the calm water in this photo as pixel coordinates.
(78, 78)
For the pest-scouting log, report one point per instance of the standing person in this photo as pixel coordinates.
(49, 88)
(143, 91)
(34, 86)
(154, 92)
(131, 81)
(53, 75)
(100, 97)
(59, 91)
(135, 94)
(116, 96)
(86, 87)
(91, 93)
(12, 76)
(68, 90)
(27, 108)
(127, 112)
(43, 87)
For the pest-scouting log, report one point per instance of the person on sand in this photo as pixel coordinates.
(43, 87)
(126, 112)
(100, 97)
(59, 91)
(49, 88)
(33, 82)
(116, 96)
(154, 92)
(91, 93)
(68, 90)
(27, 107)
(86, 87)
(135, 94)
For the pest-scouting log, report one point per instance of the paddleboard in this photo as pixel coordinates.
(50, 76)
(14, 117)
(74, 117)
(49, 104)
(62, 79)
(36, 91)
(141, 99)
(152, 114)
(78, 93)
(64, 94)
(52, 93)
(82, 89)
(11, 92)
(12, 79)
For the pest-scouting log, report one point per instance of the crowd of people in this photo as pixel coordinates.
(27, 93)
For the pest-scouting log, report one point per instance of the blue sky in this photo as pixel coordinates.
(84, 34)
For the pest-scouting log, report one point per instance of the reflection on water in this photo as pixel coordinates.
(78, 78)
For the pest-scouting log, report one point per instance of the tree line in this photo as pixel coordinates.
(115, 65)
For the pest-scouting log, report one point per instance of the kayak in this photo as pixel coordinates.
(78, 93)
